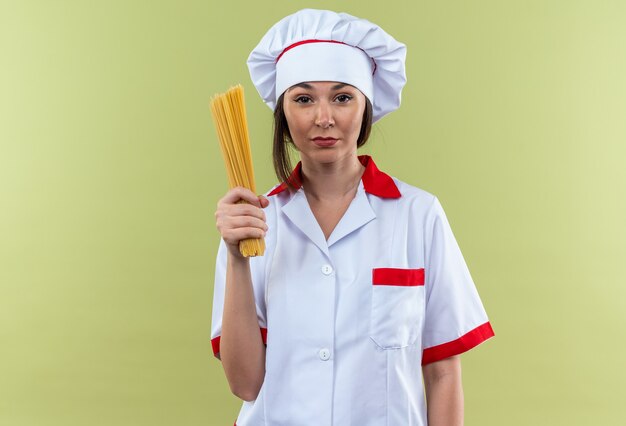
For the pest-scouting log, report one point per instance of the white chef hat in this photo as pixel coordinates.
(321, 45)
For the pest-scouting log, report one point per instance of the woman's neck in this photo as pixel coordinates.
(332, 181)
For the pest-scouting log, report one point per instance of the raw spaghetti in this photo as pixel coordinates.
(229, 114)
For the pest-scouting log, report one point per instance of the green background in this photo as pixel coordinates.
(514, 115)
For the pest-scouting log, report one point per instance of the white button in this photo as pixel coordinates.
(327, 269)
(324, 354)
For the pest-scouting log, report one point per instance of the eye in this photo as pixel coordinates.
(343, 98)
(303, 99)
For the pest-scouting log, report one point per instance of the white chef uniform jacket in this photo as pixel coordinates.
(348, 322)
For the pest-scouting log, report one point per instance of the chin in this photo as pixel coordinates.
(329, 155)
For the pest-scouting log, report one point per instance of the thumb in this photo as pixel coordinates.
(263, 201)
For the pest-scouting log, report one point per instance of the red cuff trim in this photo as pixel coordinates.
(458, 346)
(398, 277)
(215, 342)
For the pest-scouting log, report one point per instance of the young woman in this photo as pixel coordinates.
(362, 303)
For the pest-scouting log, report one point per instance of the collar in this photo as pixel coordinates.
(375, 182)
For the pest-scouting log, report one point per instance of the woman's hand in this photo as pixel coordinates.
(239, 221)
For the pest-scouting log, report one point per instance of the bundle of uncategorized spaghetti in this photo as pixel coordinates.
(229, 115)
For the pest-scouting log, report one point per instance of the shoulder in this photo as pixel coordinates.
(410, 192)
(414, 198)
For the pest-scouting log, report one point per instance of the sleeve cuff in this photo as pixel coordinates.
(215, 342)
(462, 344)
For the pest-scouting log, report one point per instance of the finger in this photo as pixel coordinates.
(246, 222)
(233, 236)
(234, 210)
(230, 220)
(241, 193)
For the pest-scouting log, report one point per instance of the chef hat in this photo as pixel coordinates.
(320, 45)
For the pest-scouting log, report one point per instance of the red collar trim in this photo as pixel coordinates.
(375, 182)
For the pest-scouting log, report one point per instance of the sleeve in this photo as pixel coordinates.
(455, 319)
(257, 273)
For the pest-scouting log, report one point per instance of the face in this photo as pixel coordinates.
(324, 119)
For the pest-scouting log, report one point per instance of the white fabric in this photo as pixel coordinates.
(341, 351)
(321, 62)
(388, 55)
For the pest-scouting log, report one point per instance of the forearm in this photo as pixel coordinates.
(241, 347)
(444, 393)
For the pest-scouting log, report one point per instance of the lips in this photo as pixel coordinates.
(324, 142)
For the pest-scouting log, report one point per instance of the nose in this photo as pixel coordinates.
(324, 116)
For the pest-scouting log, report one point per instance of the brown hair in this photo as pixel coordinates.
(282, 139)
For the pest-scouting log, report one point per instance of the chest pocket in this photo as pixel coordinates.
(397, 311)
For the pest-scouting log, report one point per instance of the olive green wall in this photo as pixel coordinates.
(514, 115)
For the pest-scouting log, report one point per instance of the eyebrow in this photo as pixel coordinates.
(309, 87)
